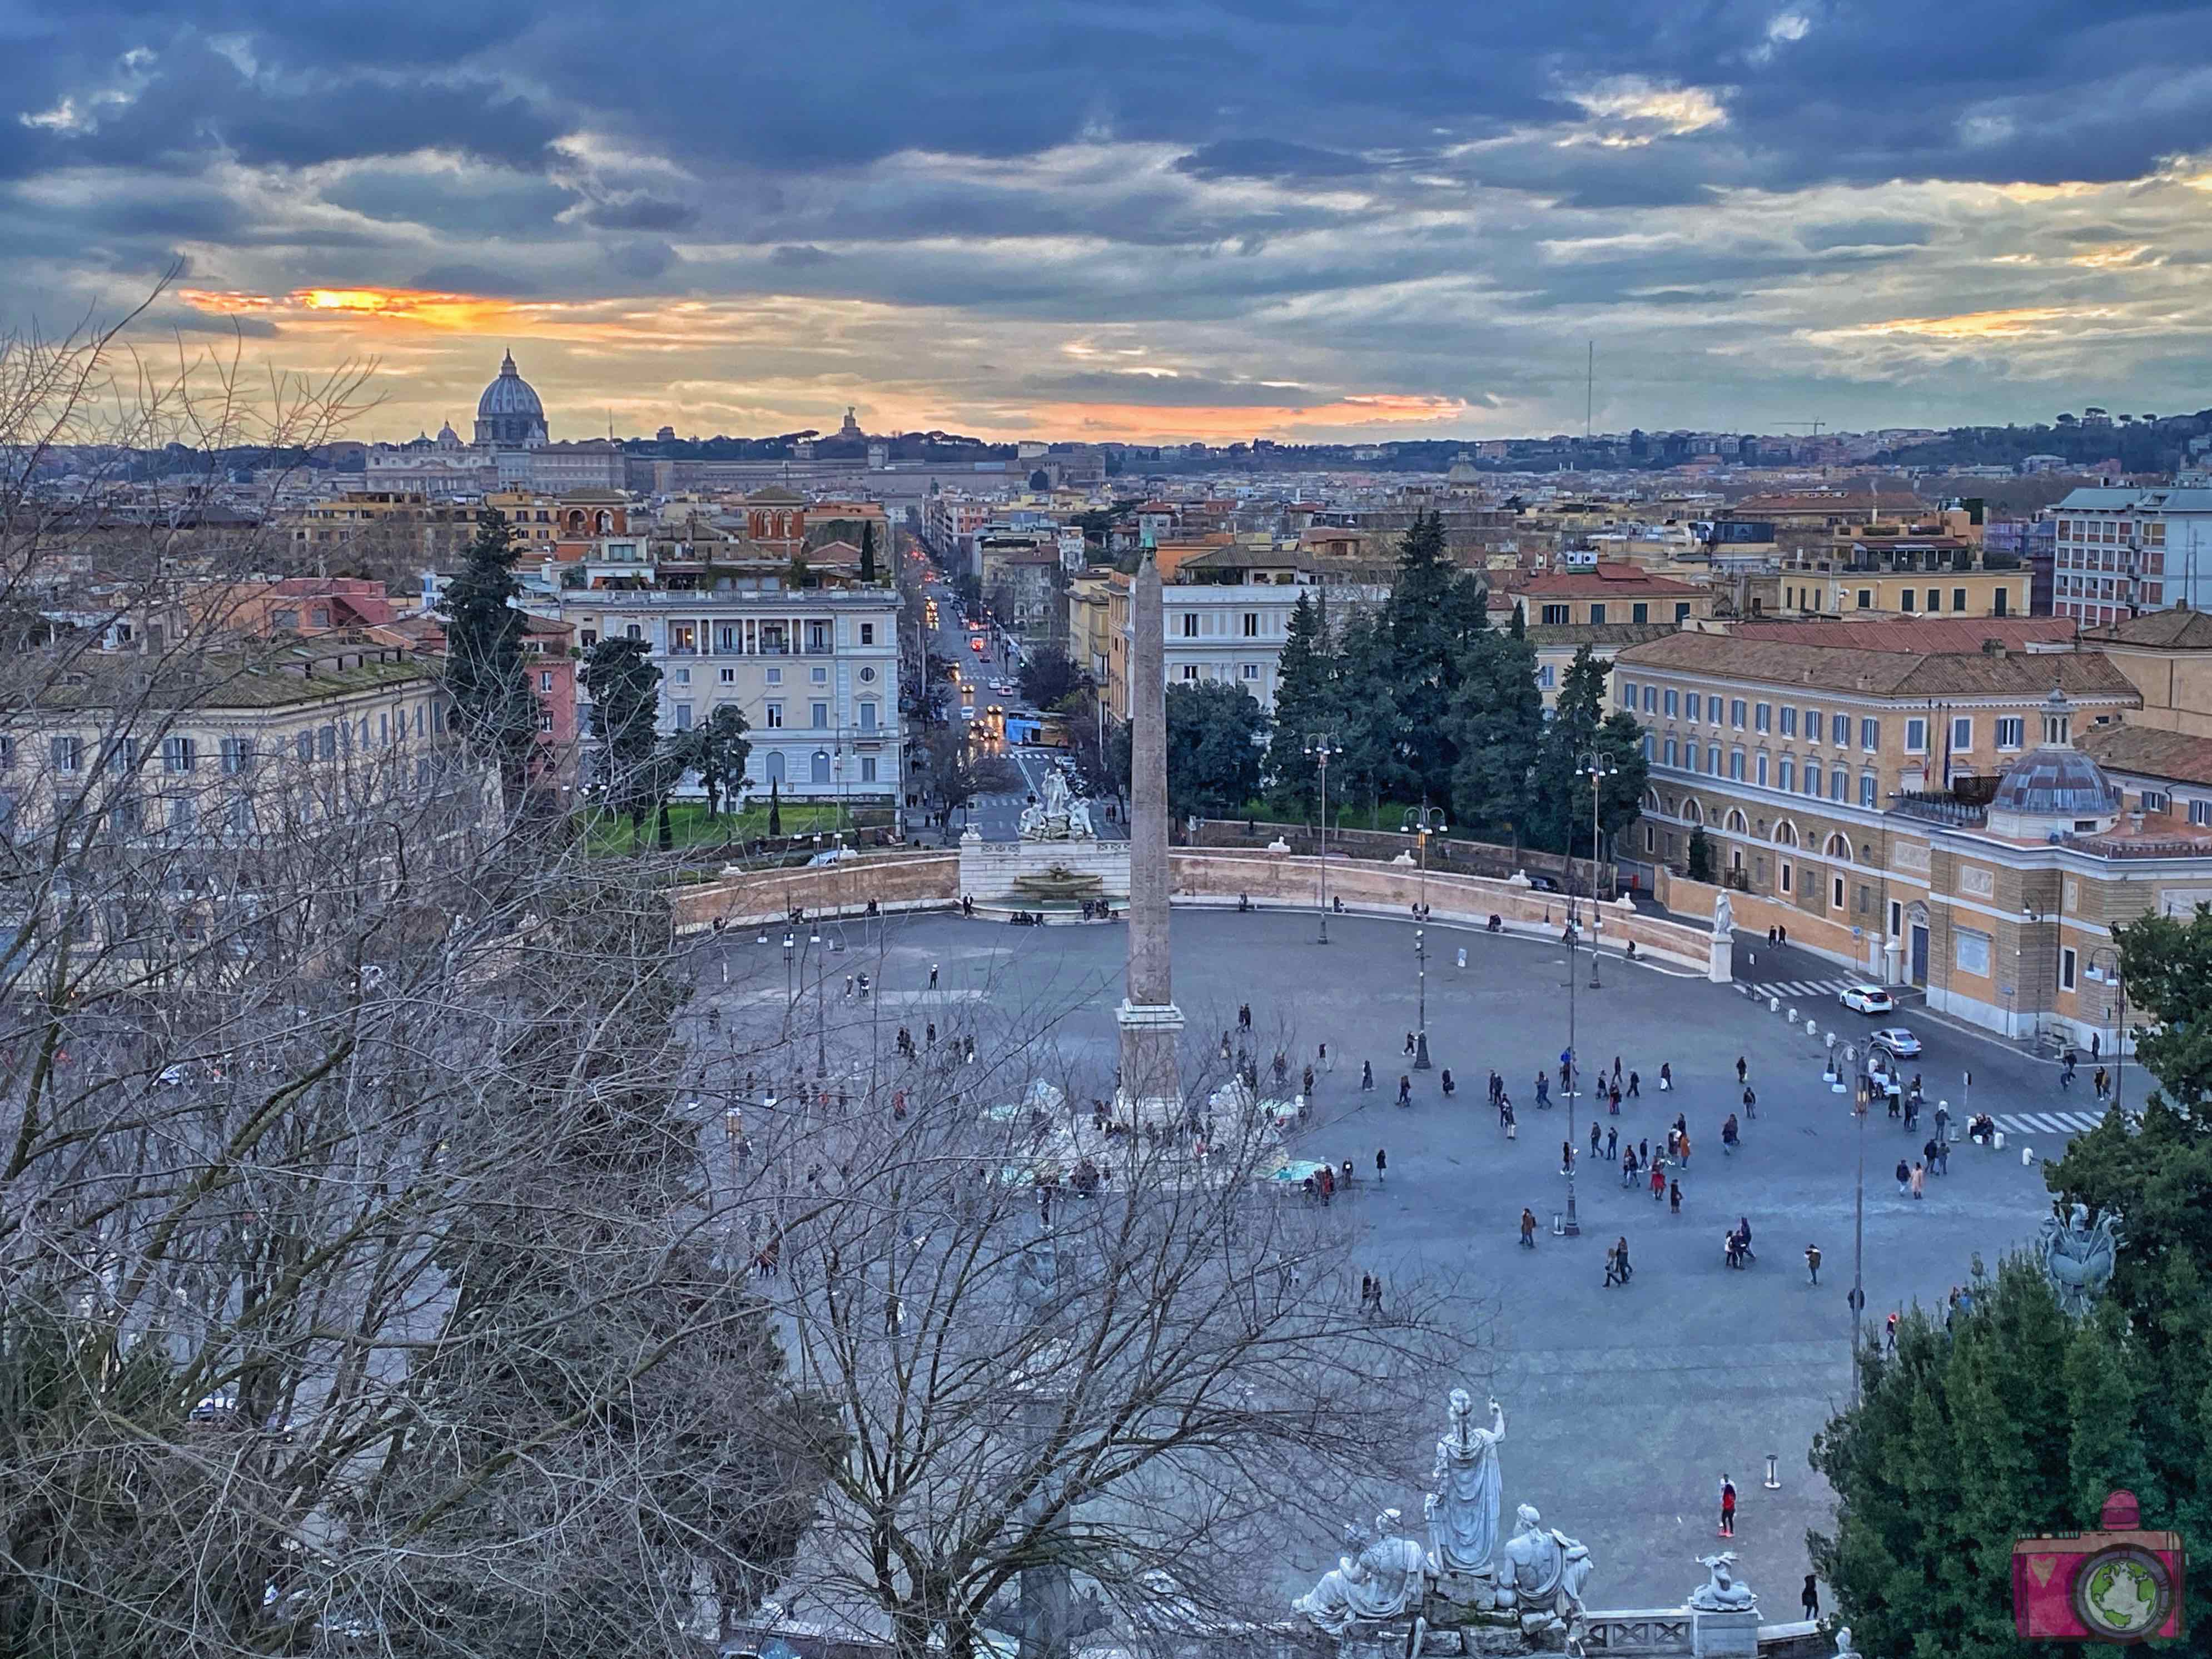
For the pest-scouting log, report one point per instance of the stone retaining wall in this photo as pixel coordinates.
(895, 881)
(1281, 880)
(1473, 858)
(930, 880)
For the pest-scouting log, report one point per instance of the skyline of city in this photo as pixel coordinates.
(1198, 226)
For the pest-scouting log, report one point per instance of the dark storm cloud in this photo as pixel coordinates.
(799, 256)
(640, 210)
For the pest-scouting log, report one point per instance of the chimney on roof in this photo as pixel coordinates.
(1993, 647)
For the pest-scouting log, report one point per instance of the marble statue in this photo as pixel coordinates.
(1724, 915)
(1056, 816)
(1844, 1648)
(1545, 1569)
(2077, 1258)
(1721, 1593)
(1462, 1511)
(1382, 1579)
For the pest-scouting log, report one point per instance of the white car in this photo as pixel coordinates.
(1867, 999)
(1898, 1041)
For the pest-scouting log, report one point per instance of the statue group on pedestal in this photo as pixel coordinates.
(1056, 815)
(1535, 1578)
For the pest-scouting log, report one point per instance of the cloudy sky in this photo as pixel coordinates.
(1183, 219)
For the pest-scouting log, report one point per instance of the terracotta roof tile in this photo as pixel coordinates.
(1884, 673)
(2149, 752)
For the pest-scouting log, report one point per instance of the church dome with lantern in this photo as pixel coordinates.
(508, 415)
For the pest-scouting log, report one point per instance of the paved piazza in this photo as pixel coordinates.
(1625, 1405)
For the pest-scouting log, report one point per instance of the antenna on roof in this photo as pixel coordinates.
(1589, 389)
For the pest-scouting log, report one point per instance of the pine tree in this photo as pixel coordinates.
(1560, 800)
(1497, 725)
(631, 771)
(1434, 617)
(485, 672)
(1302, 707)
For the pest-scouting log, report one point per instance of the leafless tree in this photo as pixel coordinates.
(361, 1285)
(1127, 1366)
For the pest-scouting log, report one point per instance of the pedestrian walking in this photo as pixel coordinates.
(1942, 1158)
(1305, 1082)
(2096, 1046)
(1244, 1015)
(1323, 1058)
(1665, 1077)
(1528, 1229)
(1658, 1182)
(1382, 1164)
(1405, 1090)
(1674, 1197)
(1812, 1263)
(1595, 1141)
(1616, 1068)
(1642, 1153)
(1904, 1177)
(1750, 1102)
(929, 1034)
(1450, 1087)
(1543, 1089)
(1566, 1157)
(1612, 1267)
(2101, 1080)
(1366, 1074)
(933, 977)
(1728, 1507)
(1612, 1143)
(1628, 1169)
(1808, 1599)
(1741, 1070)
(1920, 1181)
(1685, 1159)
(1634, 1093)
(1409, 1043)
(1512, 1123)
(1889, 1333)
(1366, 1290)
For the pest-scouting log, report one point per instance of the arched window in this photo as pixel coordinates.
(1692, 812)
(1651, 800)
(1785, 834)
(606, 522)
(776, 770)
(1838, 848)
(820, 766)
(1737, 823)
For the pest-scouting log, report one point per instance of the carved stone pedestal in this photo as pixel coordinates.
(1725, 1635)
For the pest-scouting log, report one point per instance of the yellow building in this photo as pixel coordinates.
(2167, 655)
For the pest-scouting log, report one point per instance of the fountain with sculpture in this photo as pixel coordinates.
(1056, 815)
(1468, 1577)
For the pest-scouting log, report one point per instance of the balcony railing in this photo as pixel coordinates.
(1940, 809)
(2127, 847)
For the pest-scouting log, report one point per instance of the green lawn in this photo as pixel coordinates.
(690, 826)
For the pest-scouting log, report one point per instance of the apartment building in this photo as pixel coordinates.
(814, 671)
(1227, 617)
(230, 749)
(2167, 656)
(1906, 574)
(1602, 593)
(2121, 551)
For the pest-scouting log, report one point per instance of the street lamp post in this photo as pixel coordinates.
(1598, 765)
(1423, 821)
(2120, 1030)
(1863, 1099)
(820, 973)
(1319, 748)
(790, 945)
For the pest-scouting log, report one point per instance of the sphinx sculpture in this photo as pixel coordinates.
(1721, 1592)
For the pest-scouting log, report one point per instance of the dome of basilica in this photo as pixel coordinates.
(508, 415)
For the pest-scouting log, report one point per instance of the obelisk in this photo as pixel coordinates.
(1151, 1089)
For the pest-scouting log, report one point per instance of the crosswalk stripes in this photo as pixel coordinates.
(2049, 1123)
(1802, 987)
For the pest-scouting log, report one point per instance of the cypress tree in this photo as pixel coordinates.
(868, 551)
(1303, 703)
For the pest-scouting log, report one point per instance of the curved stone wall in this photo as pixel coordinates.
(930, 880)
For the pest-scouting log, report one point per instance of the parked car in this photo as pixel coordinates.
(1867, 999)
(1898, 1041)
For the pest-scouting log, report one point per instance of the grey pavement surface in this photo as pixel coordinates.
(1625, 1406)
